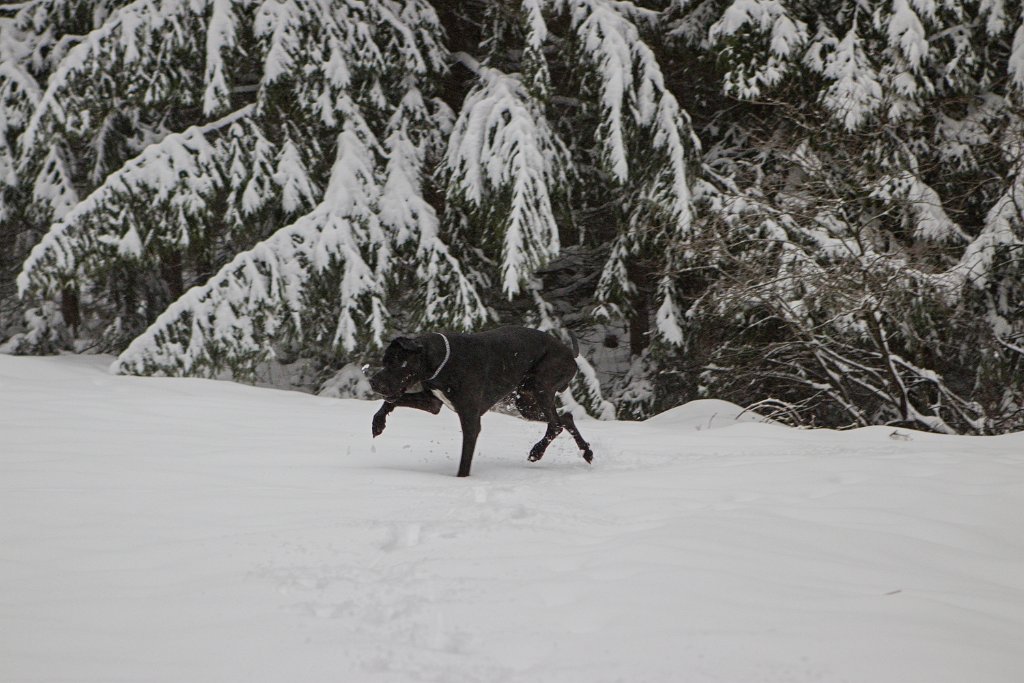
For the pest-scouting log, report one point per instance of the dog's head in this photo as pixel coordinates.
(405, 364)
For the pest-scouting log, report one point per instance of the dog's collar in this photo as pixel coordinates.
(447, 355)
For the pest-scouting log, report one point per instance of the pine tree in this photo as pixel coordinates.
(852, 257)
(210, 185)
(236, 237)
(228, 185)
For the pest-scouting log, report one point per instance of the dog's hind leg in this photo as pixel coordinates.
(537, 452)
(528, 404)
(570, 424)
(531, 404)
(546, 402)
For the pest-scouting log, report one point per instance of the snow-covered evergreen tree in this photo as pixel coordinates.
(206, 185)
(341, 79)
(854, 227)
(646, 146)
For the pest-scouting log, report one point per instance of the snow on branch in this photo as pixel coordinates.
(415, 35)
(907, 33)
(19, 92)
(449, 296)
(994, 12)
(503, 163)
(141, 38)
(53, 187)
(220, 37)
(361, 49)
(646, 145)
(1003, 231)
(238, 312)
(638, 114)
(179, 174)
(19, 95)
(1015, 67)
(763, 21)
(854, 92)
(929, 220)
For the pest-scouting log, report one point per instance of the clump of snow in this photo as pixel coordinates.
(706, 413)
(349, 382)
(906, 31)
(770, 20)
(855, 91)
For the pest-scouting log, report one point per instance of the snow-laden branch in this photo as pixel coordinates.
(855, 92)
(449, 295)
(503, 163)
(646, 143)
(180, 174)
(19, 96)
(237, 314)
(781, 35)
(140, 37)
(1004, 228)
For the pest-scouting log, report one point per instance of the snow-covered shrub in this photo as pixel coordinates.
(44, 332)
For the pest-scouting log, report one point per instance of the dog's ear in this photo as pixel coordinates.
(408, 344)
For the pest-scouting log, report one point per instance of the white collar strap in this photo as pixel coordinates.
(447, 355)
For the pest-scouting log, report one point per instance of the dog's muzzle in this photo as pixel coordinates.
(391, 391)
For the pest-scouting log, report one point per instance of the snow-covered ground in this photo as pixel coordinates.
(197, 531)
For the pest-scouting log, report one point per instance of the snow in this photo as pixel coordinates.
(191, 530)
(708, 413)
(786, 38)
(53, 186)
(930, 221)
(266, 283)
(220, 37)
(855, 92)
(996, 11)
(906, 31)
(502, 144)
(976, 264)
(179, 170)
(1015, 67)
(278, 23)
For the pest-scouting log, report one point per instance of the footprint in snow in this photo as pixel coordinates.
(402, 537)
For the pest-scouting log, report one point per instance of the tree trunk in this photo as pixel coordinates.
(171, 274)
(69, 309)
(639, 319)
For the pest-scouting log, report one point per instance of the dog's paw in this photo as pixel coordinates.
(535, 455)
(379, 422)
(588, 455)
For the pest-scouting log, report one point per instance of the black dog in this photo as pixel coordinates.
(472, 372)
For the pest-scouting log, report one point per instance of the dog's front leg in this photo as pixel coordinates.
(380, 419)
(421, 400)
(470, 431)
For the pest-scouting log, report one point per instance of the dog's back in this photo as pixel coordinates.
(497, 362)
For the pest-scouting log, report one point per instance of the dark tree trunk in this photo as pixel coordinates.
(171, 274)
(639, 319)
(69, 309)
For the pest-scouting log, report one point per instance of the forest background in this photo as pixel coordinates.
(810, 208)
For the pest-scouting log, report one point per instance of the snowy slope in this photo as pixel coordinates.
(189, 530)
